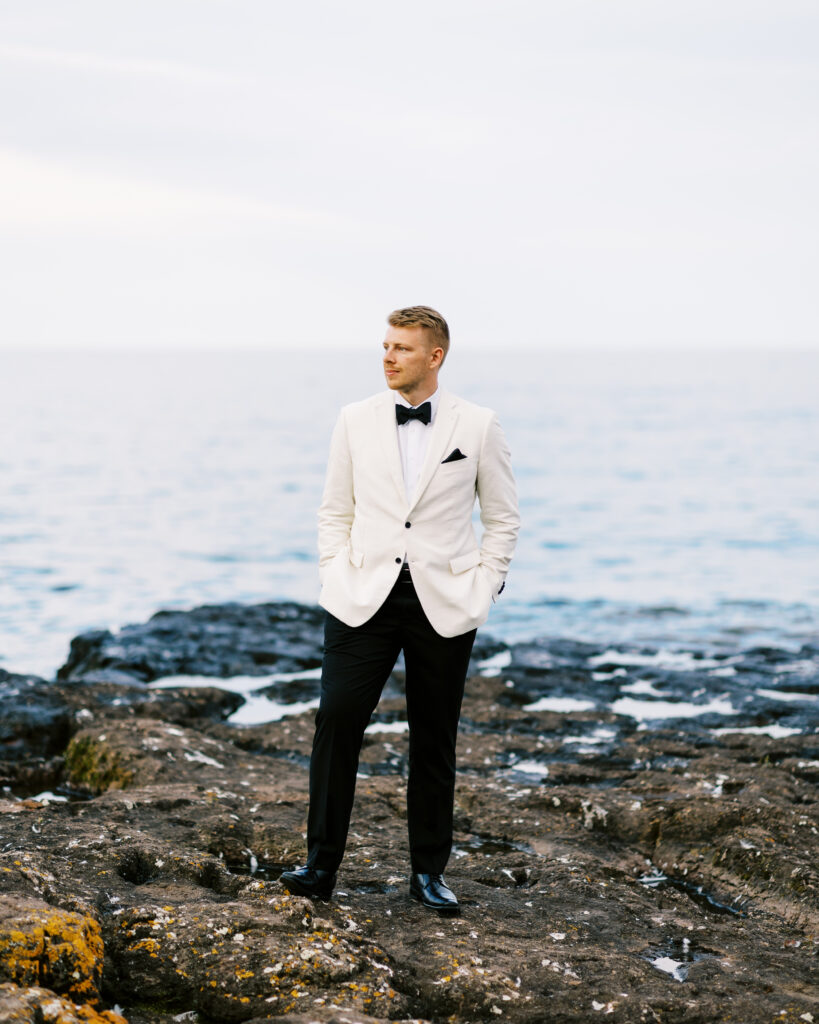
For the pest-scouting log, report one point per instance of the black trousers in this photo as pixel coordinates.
(357, 663)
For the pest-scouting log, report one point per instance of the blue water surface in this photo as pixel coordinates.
(671, 499)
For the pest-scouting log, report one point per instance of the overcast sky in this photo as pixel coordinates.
(547, 173)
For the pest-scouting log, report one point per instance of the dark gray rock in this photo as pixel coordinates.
(35, 720)
(574, 886)
(211, 640)
(592, 854)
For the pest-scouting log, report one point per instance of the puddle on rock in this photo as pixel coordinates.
(267, 871)
(374, 888)
(675, 957)
(59, 795)
(488, 846)
(695, 892)
(532, 770)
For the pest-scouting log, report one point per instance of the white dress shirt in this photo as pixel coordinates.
(413, 441)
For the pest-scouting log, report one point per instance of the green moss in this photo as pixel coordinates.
(94, 766)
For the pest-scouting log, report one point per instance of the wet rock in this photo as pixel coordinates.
(35, 1005)
(211, 640)
(35, 720)
(612, 865)
(179, 704)
(125, 753)
(267, 953)
(40, 717)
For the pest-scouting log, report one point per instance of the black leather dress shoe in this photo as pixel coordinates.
(433, 892)
(311, 882)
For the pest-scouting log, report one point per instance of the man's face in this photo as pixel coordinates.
(410, 362)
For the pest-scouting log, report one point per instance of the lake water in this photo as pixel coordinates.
(670, 499)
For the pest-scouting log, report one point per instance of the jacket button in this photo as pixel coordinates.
(398, 561)
(408, 525)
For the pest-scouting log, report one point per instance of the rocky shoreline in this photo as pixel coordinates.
(637, 836)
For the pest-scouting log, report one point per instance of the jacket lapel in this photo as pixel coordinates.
(386, 431)
(445, 419)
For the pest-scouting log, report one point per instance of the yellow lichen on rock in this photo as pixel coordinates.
(150, 945)
(56, 949)
(36, 1005)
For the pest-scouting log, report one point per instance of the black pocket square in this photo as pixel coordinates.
(454, 456)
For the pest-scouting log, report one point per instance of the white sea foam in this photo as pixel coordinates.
(644, 686)
(652, 710)
(492, 666)
(601, 735)
(787, 695)
(387, 727)
(679, 661)
(47, 797)
(530, 768)
(258, 708)
(777, 732)
(562, 705)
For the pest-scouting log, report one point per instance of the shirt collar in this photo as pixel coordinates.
(433, 401)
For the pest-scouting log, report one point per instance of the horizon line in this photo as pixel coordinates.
(562, 349)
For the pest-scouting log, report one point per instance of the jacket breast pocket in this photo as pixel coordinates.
(457, 466)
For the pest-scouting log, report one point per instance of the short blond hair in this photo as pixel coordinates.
(423, 316)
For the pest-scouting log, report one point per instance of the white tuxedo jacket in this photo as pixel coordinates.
(366, 524)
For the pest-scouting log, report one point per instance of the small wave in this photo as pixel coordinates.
(660, 610)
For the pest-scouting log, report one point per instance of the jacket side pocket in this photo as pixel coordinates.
(464, 562)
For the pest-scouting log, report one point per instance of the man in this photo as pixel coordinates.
(401, 569)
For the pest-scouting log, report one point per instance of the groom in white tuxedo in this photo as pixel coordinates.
(402, 569)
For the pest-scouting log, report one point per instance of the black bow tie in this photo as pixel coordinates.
(422, 413)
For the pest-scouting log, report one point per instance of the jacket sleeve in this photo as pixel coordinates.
(497, 494)
(337, 509)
